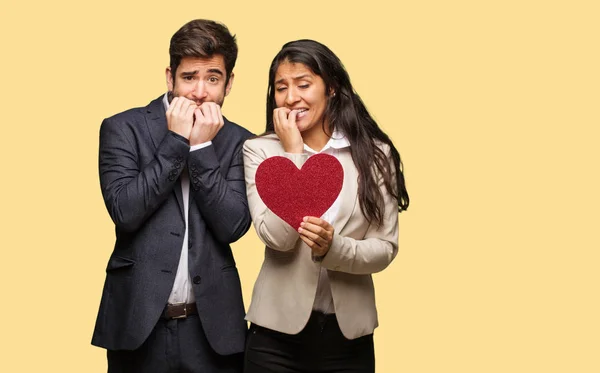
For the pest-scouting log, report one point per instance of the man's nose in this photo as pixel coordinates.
(200, 90)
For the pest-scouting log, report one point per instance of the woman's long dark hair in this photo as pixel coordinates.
(347, 113)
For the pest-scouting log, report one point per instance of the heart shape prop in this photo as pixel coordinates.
(293, 194)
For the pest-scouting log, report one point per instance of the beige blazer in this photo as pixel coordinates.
(284, 292)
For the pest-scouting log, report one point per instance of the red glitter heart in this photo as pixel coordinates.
(293, 194)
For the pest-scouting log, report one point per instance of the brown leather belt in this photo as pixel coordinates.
(179, 311)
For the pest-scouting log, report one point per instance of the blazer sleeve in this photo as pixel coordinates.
(132, 193)
(270, 228)
(220, 194)
(375, 251)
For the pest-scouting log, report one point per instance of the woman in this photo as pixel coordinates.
(313, 304)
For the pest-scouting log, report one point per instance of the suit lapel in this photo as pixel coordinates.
(349, 192)
(157, 126)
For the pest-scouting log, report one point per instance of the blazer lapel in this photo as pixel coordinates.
(349, 192)
(157, 126)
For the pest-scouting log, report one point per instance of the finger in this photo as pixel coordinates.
(214, 114)
(316, 229)
(324, 237)
(174, 106)
(209, 111)
(182, 106)
(199, 115)
(282, 114)
(292, 118)
(320, 241)
(177, 111)
(190, 110)
(320, 227)
(284, 110)
(220, 115)
(316, 249)
(277, 120)
(171, 106)
(185, 104)
(316, 221)
(310, 243)
(205, 110)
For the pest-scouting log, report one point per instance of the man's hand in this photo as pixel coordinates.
(180, 116)
(207, 124)
(317, 234)
(284, 122)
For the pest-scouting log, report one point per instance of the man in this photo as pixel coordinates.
(172, 179)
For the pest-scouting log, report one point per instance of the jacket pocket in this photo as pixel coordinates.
(228, 267)
(119, 262)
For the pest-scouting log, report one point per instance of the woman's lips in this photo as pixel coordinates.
(301, 113)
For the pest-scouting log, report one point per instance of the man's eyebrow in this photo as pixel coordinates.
(215, 71)
(190, 73)
(299, 77)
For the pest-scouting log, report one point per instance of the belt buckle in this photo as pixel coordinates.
(184, 315)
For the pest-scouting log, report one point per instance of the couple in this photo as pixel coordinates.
(178, 181)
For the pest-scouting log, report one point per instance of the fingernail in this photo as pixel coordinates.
(299, 230)
(305, 218)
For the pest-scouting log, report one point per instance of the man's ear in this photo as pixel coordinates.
(169, 77)
(229, 84)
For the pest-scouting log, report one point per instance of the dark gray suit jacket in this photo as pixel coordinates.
(140, 162)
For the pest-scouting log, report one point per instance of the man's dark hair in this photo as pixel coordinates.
(203, 38)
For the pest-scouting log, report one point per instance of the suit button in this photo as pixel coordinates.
(197, 280)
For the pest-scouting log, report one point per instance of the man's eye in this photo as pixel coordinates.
(188, 78)
(213, 79)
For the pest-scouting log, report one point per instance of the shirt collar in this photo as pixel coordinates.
(337, 141)
(165, 101)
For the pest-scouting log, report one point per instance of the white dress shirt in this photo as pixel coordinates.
(182, 290)
(336, 144)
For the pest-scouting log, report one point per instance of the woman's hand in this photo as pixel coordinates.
(284, 121)
(317, 234)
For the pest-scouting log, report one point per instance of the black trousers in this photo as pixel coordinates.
(177, 345)
(320, 347)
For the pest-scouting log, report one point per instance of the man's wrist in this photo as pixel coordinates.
(179, 137)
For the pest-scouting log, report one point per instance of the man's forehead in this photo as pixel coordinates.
(197, 65)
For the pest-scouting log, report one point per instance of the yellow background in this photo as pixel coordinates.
(494, 106)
